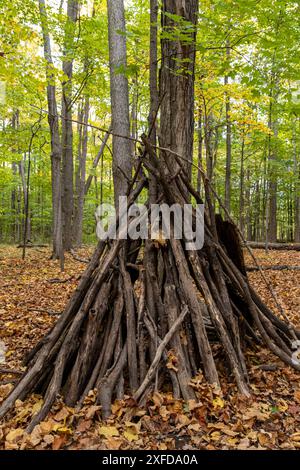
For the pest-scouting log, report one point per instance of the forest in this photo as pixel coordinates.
(106, 342)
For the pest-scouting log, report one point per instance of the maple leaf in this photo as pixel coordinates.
(108, 431)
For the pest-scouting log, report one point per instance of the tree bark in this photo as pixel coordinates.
(228, 138)
(27, 222)
(80, 175)
(242, 184)
(297, 183)
(67, 126)
(177, 82)
(56, 150)
(200, 149)
(271, 216)
(153, 85)
(122, 163)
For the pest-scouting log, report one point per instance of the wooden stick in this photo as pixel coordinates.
(158, 354)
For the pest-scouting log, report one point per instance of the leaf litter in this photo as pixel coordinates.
(270, 419)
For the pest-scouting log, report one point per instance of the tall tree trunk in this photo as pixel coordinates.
(56, 150)
(177, 82)
(80, 174)
(122, 163)
(153, 85)
(15, 189)
(67, 126)
(242, 184)
(272, 185)
(271, 216)
(27, 221)
(248, 206)
(209, 144)
(228, 139)
(200, 149)
(297, 183)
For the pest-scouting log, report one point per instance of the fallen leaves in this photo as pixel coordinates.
(108, 431)
(269, 420)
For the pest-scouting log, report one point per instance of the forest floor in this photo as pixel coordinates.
(31, 299)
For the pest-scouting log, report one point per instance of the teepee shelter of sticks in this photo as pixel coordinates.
(114, 338)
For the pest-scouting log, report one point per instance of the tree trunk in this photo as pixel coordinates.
(209, 144)
(271, 235)
(80, 175)
(249, 212)
(27, 220)
(177, 82)
(153, 85)
(122, 164)
(67, 126)
(228, 138)
(15, 191)
(242, 184)
(56, 150)
(297, 184)
(200, 149)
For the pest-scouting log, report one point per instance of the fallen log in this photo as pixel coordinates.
(31, 245)
(275, 246)
(283, 267)
(79, 258)
(10, 371)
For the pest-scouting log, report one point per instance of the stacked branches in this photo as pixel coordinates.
(114, 337)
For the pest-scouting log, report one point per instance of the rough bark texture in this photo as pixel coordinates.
(297, 182)
(67, 126)
(56, 150)
(271, 216)
(27, 224)
(153, 85)
(80, 174)
(122, 165)
(228, 138)
(177, 81)
(200, 148)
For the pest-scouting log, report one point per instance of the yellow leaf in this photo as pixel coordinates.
(218, 403)
(14, 435)
(130, 435)
(283, 406)
(215, 436)
(231, 441)
(64, 430)
(108, 431)
(37, 406)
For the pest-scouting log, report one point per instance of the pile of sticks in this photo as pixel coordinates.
(146, 315)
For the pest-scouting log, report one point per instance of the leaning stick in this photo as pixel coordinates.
(159, 353)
